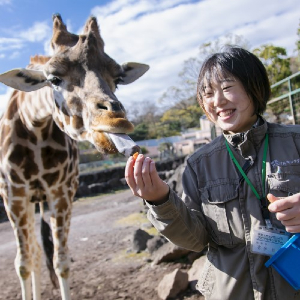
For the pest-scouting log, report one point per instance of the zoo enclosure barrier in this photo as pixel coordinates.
(284, 106)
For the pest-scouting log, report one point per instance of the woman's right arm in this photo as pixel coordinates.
(182, 222)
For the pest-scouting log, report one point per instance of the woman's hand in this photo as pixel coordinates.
(287, 211)
(143, 180)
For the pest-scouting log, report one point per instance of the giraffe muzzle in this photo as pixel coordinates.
(124, 143)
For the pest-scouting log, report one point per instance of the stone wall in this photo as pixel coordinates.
(96, 182)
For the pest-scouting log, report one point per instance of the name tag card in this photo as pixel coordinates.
(267, 241)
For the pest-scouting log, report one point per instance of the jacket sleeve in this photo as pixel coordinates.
(181, 220)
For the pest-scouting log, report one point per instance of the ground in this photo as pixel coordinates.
(103, 266)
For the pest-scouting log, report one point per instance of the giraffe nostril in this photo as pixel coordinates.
(101, 106)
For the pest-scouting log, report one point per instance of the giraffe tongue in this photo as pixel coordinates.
(124, 143)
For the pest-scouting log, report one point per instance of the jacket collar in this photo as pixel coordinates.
(249, 142)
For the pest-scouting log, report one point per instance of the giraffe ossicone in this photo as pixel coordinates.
(58, 101)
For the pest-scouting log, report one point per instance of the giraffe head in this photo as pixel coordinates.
(83, 78)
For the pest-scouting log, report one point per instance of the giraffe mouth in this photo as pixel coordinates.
(123, 143)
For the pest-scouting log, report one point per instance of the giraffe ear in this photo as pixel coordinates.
(133, 71)
(24, 80)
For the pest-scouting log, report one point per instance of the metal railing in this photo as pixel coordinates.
(284, 107)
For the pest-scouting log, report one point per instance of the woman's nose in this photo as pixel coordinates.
(218, 98)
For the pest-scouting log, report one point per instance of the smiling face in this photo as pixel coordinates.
(233, 89)
(227, 104)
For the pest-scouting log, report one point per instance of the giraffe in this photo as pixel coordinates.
(56, 102)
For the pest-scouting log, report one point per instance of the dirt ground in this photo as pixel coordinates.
(103, 265)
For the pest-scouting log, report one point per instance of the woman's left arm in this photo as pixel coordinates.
(287, 211)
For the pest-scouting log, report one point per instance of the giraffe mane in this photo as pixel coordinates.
(39, 59)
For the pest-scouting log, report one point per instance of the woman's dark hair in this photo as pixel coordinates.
(239, 64)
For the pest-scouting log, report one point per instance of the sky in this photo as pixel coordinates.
(160, 33)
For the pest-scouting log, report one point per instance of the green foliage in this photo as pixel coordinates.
(141, 132)
(275, 60)
(278, 67)
(183, 118)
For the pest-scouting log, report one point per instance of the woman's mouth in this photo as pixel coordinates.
(226, 113)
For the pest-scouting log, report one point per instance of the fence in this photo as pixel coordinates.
(284, 107)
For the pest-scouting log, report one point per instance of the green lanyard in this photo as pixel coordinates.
(262, 199)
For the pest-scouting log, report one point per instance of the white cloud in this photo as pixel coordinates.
(8, 44)
(37, 33)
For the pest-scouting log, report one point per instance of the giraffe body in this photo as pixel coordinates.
(58, 101)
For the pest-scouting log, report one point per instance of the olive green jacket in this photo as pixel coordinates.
(218, 209)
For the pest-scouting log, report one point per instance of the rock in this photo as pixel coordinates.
(140, 238)
(155, 243)
(175, 181)
(168, 252)
(195, 272)
(172, 284)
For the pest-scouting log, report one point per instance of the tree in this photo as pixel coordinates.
(275, 60)
(186, 117)
(278, 67)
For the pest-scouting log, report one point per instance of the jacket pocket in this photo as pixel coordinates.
(219, 206)
(283, 184)
(285, 181)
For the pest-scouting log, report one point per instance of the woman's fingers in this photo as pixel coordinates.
(143, 179)
(129, 177)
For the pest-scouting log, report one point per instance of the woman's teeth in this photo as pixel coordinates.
(226, 113)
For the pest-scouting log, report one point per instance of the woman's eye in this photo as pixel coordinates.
(55, 81)
(208, 93)
(226, 88)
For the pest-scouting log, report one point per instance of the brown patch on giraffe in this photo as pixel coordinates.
(77, 122)
(15, 177)
(25, 233)
(71, 193)
(23, 220)
(53, 157)
(51, 178)
(59, 221)
(67, 119)
(23, 272)
(37, 123)
(38, 191)
(70, 169)
(22, 133)
(58, 136)
(24, 158)
(17, 207)
(35, 184)
(62, 205)
(65, 273)
(18, 191)
(46, 130)
(64, 174)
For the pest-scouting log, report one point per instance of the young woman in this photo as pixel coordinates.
(240, 191)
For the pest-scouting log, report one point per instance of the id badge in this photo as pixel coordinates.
(267, 241)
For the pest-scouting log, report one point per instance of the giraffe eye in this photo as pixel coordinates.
(118, 80)
(55, 80)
